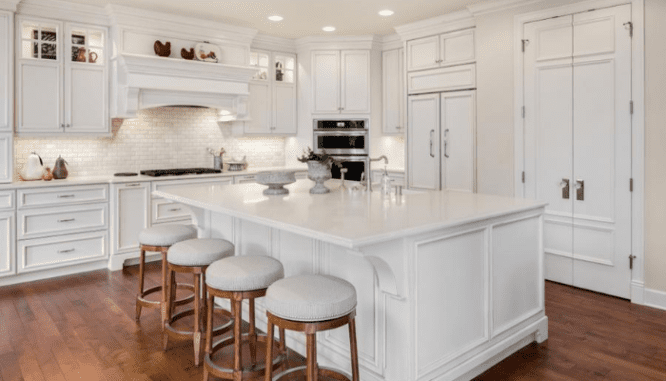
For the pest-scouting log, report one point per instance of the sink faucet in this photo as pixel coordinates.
(368, 170)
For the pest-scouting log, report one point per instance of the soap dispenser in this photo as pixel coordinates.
(386, 182)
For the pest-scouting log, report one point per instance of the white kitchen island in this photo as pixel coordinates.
(448, 283)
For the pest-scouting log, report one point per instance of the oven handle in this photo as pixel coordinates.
(355, 158)
(341, 133)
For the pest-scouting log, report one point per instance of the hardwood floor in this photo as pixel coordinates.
(83, 328)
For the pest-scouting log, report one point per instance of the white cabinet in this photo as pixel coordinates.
(129, 215)
(393, 92)
(6, 97)
(7, 243)
(445, 79)
(62, 79)
(6, 157)
(443, 50)
(442, 141)
(244, 179)
(167, 211)
(341, 82)
(272, 94)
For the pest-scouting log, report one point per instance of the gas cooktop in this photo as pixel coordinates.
(178, 171)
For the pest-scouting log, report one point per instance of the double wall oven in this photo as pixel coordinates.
(345, 140)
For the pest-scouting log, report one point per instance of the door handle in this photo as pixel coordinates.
(432, 132)
(580, 190)
(565, 188)
(446, 143)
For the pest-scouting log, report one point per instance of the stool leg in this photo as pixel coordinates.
(170, 297)
(209, 323)
(196, 337)
(283, 348)
(269, 350)
(252, 335)
(238, 338)
(164, 285)
(311, 357)
(142, 264)
(354, 349)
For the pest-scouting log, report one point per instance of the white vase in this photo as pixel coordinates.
(319, 173)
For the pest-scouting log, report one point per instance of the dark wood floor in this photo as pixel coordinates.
(83, 328)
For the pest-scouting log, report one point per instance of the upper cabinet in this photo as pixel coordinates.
(439, 51)
(6, 91)
(341, 82)
(62, 79)
(393, 92)
(272, 94)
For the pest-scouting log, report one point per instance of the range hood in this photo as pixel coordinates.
(141, 82)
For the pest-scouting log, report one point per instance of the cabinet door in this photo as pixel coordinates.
(284, 109)
(86, 92)
(423, 130)
(6, 158)
(355, 83)
(393, 79)
(6, 90)
(326, 81)
(39, 77)
(260, 108)
(7, 242)
(130, 215)
(457, 47)
(458, 118)
(423, 53)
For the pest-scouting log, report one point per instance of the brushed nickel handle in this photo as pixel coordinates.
(66, 196)
(175, 209)
(580, 190)
(432, 132)
(67, 220)
(565, 188)
(66, 251)
(133, 185)
(446, 143)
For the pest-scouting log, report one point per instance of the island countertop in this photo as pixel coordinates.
(347, 219)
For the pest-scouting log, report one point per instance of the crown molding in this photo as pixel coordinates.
(124, 16)
(437, 25)
(498, 6)
(370, 42)
(8, 5)
(273, 43)
(391, 41)
(63, 11)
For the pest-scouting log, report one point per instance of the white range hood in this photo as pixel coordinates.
(140, 82)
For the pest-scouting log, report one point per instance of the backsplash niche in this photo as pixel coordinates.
(159, 138)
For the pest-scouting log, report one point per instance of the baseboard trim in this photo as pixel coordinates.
(637, 292)
(655, 299)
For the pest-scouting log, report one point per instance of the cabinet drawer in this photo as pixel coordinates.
(47, 253)
(46, 222)
(58, 196)
(7, 200)
(445, 79)
(165, 186)
(167, 210)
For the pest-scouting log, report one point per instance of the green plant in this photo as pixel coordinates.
(324, 158)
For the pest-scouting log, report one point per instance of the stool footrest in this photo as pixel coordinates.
(255, 370)
(322, 372)
(175, 333)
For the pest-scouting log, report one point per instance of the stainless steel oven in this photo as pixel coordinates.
(341, 137)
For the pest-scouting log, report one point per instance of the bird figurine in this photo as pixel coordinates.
(162, 50)
(188, 55)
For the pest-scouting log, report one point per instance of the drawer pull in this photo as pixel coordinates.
(68, 220)
(175, 209)
(66, 251)
(66, 195)
(133, 185)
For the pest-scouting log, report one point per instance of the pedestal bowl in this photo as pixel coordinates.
(276, 180)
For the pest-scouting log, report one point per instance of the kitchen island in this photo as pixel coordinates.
(448, 283)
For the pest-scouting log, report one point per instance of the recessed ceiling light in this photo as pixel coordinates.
(328, 28)
(386, 12)
(275, 18)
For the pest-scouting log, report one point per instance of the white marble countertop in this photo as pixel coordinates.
(348, 219)
(110, 179)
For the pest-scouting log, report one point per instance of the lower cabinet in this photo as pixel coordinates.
(65, 250)
(129, 215)
(7, 243)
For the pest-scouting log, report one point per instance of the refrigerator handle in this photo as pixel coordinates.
(446, 143)
(432, 132)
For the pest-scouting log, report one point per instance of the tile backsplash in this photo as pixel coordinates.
(160, 138)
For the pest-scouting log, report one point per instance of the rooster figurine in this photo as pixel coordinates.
(162, 50)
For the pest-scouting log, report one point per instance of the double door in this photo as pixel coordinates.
(578, 145)
(442, 141)
(341, 82)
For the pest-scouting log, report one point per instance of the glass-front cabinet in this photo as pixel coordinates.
(272, 94)
(61, 78)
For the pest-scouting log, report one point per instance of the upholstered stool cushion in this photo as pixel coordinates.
(167, 235)
(199, 252)
(310, 298)
(244, 273)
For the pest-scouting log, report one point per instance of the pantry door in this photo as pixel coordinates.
(578, 145)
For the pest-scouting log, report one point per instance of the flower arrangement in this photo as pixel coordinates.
(324, 158)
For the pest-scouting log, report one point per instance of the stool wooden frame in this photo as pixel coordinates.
(141, 300)
(199, 273)
(311, 370)
(238, 373)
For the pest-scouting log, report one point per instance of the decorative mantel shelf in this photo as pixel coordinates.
(140, 82)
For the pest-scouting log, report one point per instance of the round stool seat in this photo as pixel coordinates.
(244, 273)
(309, 298)
(167, 235)
(199, 252)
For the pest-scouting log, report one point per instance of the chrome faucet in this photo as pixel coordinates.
(368, 170)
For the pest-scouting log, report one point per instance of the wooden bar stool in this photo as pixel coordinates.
(159, 239)
(237, 279)
(310, 304)
(193, 257)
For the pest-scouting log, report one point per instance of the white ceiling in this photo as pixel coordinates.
(303, 17)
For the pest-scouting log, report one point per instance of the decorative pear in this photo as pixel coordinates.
(59, 169)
